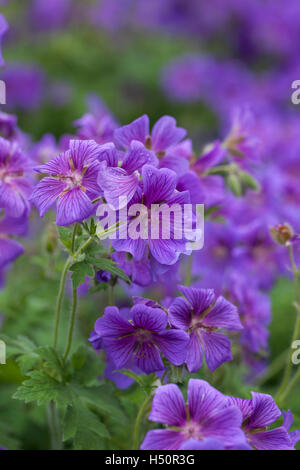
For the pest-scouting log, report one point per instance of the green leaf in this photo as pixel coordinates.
(52, 360)
(65, 236)
(41, 388)
(110, 266)
(84, 427)
(80, 271)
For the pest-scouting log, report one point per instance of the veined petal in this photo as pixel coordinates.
(265, 411)
(223, 315)
(58, 166)
(135, 247)
(274, 439)
(136, 157)
(199, 299)
(83, 152)
(173, 345)
(207, 444)
(158, 185)
(163, 439)
(148, 318)
(203, 400)
(165, 133)
(137, 130)
(180, 314)
(73, 206)
(112, 324)
(225, 424)
(168, 406)
(194, 357)
(216, 347)
(147, 358)
(120, 350)
(119, 187)
(46, 192)
(108, 153)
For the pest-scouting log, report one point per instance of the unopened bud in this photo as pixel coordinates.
(282, 233)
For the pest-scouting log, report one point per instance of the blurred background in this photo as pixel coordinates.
(194, 60)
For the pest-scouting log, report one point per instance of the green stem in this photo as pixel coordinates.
(55, 433)
(288, 368)
(72, 322)
(74, 237)
(138, 422)
(59, 299)
(290, 386)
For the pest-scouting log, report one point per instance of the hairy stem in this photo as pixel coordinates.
(72, 322)
(138, 422)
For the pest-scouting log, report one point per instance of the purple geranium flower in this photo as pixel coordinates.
(164, 134)
(3, 30)
(141, 340)
(202, 315)
(158, 189)
(72, 181)
(98, 124)
(258, 414)
(15, 188)
(204, 417)
(45, 15)
(242, 141)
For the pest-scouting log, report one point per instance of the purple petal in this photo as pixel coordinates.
(166, 251)
(225, 425)
(14, 226)
(216, 349)
(244, 405)
(203, 400)
(112, 324)
(163, 439)
(194, 357)
(200, 299)
(147, 358)
(265, 411)
(58, 166)
(136, 157)
(168, 406)
(223, 315)
(165, 133)
(176, 163)
(159, 185)
(12, 201)
(287, 419)
(213, 189)
(121, 350)
(73, 206)
(295, 437)
(210, 158)
(9, 251)
(108, 153)
(135, 247)
(180, 314)
(3, 30)
(173, 345)
(137, 130)
(275, 439)
(152, 319)
(119, 187)
(206, 444)
(83, 152)
(191, 183)
(46, 192)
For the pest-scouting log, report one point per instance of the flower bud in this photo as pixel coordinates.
(282, 233)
